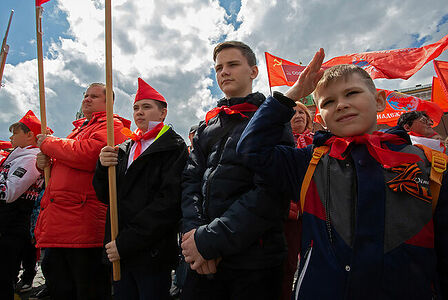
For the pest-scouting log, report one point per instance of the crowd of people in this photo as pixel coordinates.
(258, 197)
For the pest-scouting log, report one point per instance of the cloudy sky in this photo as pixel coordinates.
(169, 44)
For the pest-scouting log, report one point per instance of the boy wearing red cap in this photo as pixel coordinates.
(149, 167)
(20, 184)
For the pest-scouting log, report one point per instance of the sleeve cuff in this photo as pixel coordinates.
(284, 100)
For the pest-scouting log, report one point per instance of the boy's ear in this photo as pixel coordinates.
(164, 113)
(407, 127)
(254, 72)
(380, 100)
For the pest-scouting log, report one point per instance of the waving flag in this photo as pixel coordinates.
(438, 95)
(390, 64)
(40, 2)
(399, 63)
(399, 103)
(281, 71)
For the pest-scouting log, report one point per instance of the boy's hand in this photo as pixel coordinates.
(308, 79)
(109, 156)
(42, 161)
(112, 251)
(40, 139)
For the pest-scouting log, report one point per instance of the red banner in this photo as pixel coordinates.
(281, 71)
(40, 2)
(441, 68)
(438, 95)
(390, 64)
(398, 103)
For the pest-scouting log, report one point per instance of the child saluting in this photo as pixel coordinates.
(369, 230)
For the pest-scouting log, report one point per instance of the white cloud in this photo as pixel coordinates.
(169, 44)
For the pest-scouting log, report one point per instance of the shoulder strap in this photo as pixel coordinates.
(317, 154)
(438, 166)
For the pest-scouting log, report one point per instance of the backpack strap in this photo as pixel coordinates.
(438, 166)
(317, 154)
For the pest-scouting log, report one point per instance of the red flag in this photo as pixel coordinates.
(399, 63)
(398, 103)
(40, 2)
(438, 95)
(281, 71)
(441, 68)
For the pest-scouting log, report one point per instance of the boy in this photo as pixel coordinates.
(149, 167)
(20, 184)
(232, 225)
(364, 235)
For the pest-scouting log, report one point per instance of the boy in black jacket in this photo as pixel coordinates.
(233, 227)
(149, 167)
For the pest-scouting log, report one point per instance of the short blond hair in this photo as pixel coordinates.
(343, 72)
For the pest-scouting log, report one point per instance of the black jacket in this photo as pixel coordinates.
(148, 200)
(235, 217)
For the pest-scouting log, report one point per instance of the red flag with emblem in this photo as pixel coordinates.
(399, 103)
(281, 71)
(40, 2)
(398, 63)
(390, 64)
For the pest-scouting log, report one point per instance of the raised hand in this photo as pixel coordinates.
(308, 79)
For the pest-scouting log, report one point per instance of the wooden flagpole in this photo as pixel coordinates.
(110, 135)
(5, 48)
(40, 65)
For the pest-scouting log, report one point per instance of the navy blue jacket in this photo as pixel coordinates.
(236, 218)
(360, 239)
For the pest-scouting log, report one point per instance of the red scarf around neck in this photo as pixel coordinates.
(230, 110)
(374, 142)
(138, 136)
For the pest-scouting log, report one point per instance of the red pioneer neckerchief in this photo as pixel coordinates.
(138, 136)
(374, 142)
(230, 110)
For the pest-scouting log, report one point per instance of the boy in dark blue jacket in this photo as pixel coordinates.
(369, 230)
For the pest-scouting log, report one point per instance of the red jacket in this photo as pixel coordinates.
(71, 215)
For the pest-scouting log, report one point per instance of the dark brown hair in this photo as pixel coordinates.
(245, 50)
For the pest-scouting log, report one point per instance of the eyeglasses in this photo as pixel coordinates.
(426, 121)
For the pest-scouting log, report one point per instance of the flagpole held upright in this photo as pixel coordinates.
(5, 48)
(40, 67)
(110, 134)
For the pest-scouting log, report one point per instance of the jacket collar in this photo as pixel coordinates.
(100, 116)
(254, 98)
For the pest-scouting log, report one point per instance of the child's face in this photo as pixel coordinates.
(146, 110)
(349, 107)
(20, 139)
(233, 73)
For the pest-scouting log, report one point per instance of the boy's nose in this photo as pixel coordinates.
(342, 105)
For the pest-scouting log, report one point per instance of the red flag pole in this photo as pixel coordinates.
(40, 65)
(5, 48)
(110, 135)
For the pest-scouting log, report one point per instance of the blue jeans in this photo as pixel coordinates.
(142, 284)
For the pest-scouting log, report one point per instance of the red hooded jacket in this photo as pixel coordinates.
(71, 215)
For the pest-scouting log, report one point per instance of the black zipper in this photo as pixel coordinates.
(212, 173)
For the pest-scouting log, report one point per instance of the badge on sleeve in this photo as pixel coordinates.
(19, 172)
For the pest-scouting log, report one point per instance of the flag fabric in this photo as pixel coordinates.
(280, 71)
(441, 68)
(390, 64)
(399, 103)
(438, 95)
(40, 2)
